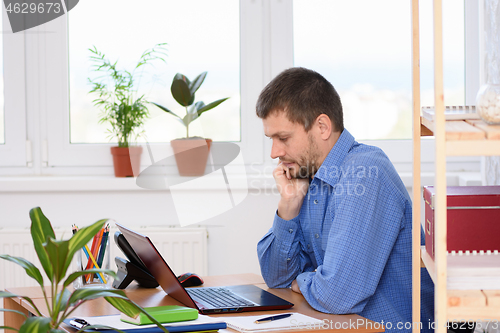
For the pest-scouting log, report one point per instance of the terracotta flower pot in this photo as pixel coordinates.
(191, 155)
(127, 161)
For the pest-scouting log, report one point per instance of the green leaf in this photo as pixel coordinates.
(79, 239)
(182, 77)
(181, 93)
(36, 324)
(211, 105)
(165, 109)
(125, 306)
(131, 309)
(86, 294)
(195, 85)
(75, 275)
(41, 230)
(9, 328)
(15, 311)
(62, 300)
(196, 107)
(188, 118)
(56, 330)
(5, 294)
(58, 252)
(30, 269)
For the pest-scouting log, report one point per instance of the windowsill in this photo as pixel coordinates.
(110, 183)
(209, 182)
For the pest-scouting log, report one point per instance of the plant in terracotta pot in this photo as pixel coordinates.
(60, 300)
(122, 107)
(191, 153)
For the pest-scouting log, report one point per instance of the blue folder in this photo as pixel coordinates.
(171, 328)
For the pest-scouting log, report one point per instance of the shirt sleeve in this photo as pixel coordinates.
(280, 253)
(366, 220)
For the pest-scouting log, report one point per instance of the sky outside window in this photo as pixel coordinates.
(2, 105)
(363, 48)
(201, 36)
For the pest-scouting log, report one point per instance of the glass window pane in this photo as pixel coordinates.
(453, 52)
(200, 37)
(2, 111)
(363, 48)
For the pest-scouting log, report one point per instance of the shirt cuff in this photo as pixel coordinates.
(285, 230)
(303, 280)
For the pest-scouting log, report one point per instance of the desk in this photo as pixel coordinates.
(156, 296)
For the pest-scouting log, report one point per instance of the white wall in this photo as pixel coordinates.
(233, 235)
(232, 239)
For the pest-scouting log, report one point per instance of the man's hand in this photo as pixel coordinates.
(295, 287)
(292, 191)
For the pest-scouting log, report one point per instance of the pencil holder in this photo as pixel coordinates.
(95, 254)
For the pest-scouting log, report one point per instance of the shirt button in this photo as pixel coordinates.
(308, 246)
(317, 236)
(288, 259)
(290, 230)
(316, 201)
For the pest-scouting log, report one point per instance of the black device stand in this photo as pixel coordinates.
(127, 272)
(131, 270)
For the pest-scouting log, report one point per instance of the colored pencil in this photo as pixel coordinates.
(94, 240)
(74, 229)
(91, 257)
(104, 243)
(95, 253)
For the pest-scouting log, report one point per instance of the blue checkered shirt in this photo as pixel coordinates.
(350, 246)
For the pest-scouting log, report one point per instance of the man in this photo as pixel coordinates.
(342, 232)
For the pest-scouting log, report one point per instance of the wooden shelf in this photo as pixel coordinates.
(466, 304)
(473, 305)
(468, 137)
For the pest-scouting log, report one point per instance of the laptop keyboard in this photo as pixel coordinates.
(218, 297)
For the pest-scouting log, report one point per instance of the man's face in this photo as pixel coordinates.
(296, 148)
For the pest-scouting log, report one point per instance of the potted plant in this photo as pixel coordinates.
(122, 107)
(55, 257)
(191, 153)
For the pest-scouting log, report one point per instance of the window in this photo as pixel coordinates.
(13, 121)
(370, 66)
(243, 45)
(2, 111)
(201, 36)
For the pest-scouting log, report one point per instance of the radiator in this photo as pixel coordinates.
(185, 250)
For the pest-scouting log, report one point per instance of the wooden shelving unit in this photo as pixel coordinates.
(452, 138)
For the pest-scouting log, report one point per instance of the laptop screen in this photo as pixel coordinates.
(158, 267)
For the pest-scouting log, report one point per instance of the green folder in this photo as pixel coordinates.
(164, 314)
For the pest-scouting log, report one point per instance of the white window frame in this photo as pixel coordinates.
(40, 87)
(14, 152)
(400, 151)
(65, 158)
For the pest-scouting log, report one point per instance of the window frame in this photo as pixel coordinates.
(16, 148)
(70, 158)
(266, 43)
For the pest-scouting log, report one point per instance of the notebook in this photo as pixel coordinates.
(296, 321)
(240, 298)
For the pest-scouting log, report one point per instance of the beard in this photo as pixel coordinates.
(307, 163)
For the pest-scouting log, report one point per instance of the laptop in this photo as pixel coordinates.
(207, 300)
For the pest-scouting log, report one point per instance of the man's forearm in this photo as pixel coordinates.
(279, 254)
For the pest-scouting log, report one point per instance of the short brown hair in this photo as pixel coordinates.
(303, 94)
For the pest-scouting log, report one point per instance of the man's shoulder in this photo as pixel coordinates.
(362, 154)
(371, 164)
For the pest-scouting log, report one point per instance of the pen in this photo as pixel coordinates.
(278, 317)
(78, 323)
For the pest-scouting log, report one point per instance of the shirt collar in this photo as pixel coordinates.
(329, 169)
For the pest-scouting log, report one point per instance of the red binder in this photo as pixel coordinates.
(473, 214)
